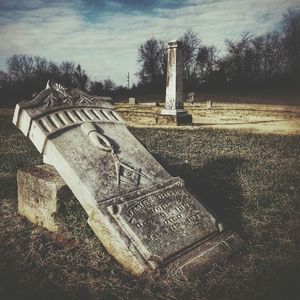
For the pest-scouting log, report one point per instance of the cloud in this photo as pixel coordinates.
(103, 36)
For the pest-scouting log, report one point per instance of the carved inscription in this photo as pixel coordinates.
(165, 221)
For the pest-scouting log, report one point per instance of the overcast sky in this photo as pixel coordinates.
(103, 36)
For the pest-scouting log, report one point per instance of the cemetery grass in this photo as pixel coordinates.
(260, 118)
(250, 181)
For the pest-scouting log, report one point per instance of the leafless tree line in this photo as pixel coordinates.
(249, 61)
(26, 75)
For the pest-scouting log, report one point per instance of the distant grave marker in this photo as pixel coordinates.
(143, 216)
(150, 103)
(191, 97)
(132, 100)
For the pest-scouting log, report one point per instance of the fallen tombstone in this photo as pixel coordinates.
(144, 217)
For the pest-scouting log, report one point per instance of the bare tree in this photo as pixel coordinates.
(20, 66)
(41, 65)
(190, 45)
(108, 85)
(67, 71)
(4, 79)
(240, 59)
(291, 31)
(80, 77)
(54, 72)
(153, 60)
(96, 88)
(205, 62)
(269, 56)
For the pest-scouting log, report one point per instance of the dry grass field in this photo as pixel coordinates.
(254, 117)
(234, 158)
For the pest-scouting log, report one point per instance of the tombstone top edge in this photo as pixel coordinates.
(55, 96)
(174, 44)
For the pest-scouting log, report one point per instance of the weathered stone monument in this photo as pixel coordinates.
(174, 111)
(143, 216)
(191, 96)
(132, 100)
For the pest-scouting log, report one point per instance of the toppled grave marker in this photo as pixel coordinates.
(143, 216)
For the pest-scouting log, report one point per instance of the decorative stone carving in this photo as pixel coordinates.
(55, 94)
(143, 216)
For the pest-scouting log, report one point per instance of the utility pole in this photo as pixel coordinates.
(128, 80)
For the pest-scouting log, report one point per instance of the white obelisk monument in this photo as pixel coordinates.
(174, 110)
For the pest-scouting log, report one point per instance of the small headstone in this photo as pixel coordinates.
(149, 103)
(209, 104)
(191, 97)
(132, 101)
(143, 216)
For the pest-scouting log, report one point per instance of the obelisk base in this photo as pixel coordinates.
(174, 117)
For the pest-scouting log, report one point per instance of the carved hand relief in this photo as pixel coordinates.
(124, 172)
(55, 94)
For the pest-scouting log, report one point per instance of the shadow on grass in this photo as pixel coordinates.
(240, 123)
(9, 189)
(216, 184)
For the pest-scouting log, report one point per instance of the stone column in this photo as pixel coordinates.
(174, 111)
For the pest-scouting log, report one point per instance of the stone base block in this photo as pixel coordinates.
(179, 119)
(213, 251)
(40, 190)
